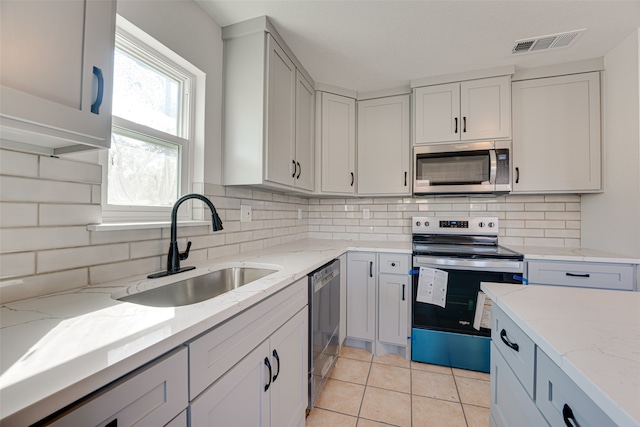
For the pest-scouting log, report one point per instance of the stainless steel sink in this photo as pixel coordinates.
(199, 288)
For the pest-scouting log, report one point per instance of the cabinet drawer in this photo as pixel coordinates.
(151, 396)
(394, 263)
(582, 274)
(510, 403)
(516, 348)
(558, 397)
(217, 351)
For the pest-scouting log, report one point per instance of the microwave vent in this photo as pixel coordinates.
(552, 41)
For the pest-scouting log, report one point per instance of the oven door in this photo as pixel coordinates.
(464, 281)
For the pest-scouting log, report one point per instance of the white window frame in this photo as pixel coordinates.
(142, 46)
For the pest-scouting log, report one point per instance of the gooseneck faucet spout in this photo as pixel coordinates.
(174, 257)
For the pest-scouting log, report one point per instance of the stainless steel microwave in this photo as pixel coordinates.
(480, 167)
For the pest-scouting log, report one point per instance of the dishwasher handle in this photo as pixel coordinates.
(323, 277)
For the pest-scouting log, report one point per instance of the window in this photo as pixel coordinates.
(148, 165)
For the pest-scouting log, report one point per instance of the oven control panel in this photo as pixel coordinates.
(458, 225)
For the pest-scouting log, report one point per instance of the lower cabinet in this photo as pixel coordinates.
(266, 388)
(582, 274)
(378, 301)
(235, 382)
(154, 395)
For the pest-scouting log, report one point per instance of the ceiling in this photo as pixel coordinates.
(368, 45)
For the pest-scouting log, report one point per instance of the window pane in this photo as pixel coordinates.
(142, 172)
(145, 95)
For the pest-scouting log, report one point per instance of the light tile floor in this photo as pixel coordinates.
(382, 391)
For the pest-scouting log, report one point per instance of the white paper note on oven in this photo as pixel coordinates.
(482, 318)
(432, 286)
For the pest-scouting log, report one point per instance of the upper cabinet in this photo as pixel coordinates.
(337, 135)
(556, 134)
(269, 117)
(470, 110)
(56, 74)
(383, 146)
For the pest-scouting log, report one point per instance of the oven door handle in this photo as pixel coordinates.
(460, 264)
(493, 171)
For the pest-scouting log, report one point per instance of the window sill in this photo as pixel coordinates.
(119, 226)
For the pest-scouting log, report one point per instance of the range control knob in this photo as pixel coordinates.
(492, 224)
(426, 223)
(481, 224)
(417, 223)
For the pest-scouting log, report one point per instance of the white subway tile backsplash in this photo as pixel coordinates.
(544, 207)
(238, 193)
(252, 246)
(18, 264)
(18, 164)
(525, 215)
(574, 234)
(53, 214)
(150, 248)
(222, 251)
(42, 284)
(18, 214)
(14, 189)
(524, 232)
(59, 169)
(545, 224)
(41, 238)
(66, 259)
(96, 194)
(534, 241)
(121, 270)
(120, 236)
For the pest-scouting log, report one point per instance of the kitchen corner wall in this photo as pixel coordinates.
(46, 204)
(529, 220)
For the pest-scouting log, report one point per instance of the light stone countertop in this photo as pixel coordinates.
(593, 335)
(541, 253)
(58, 348)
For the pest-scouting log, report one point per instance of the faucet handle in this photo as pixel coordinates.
(184, 255)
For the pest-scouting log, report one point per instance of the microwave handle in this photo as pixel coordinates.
(493, 167)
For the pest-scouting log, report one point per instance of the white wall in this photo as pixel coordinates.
(186, 29)
(611, 220)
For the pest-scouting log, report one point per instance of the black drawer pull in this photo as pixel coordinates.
(585, 275)
(569, 418)
(456, 131)
(370, 268)
(517, 175)
(511, 345)
(352, 178)
(299, 170)
(275, 354)
(464, 121)
(403, 292)
(266, 362)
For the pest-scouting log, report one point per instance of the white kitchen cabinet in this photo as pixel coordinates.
(268, 387)
(337, 144)
(229, 381)
(361, 295)
(269, 102)
(556, 134)
(383, 147)
(470, 110)
(150, 396)
(582, 274)
(56, 74)
(378, 298)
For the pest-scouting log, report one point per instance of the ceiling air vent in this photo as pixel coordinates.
(552, 41)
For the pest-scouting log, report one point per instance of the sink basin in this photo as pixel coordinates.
(199, 288)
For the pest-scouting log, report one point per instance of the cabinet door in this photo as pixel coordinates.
(305, 118)
(485, 108)
(437, 113)
(280, 99)
(361, 295)
(383, 146)
(239, 398)
(338, 144)
(290, 363)
(393, 296)
(48, 92)
(556, 134)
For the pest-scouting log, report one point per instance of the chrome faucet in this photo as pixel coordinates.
(174, 257)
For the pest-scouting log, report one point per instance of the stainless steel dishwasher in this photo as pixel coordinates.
(324, 323)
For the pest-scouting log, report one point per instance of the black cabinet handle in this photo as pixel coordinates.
(95, 107)
(456, 131)
(353, 177)
(585, 275)
(113, 423)
(517, 175)
(405, 179)
(511, 345)
(370, 268)
(299, 170)
(293, 175)
(266, 362)
(275, 354)
(569, 418)
(393, 264)
(464, 124)
(403, 292)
